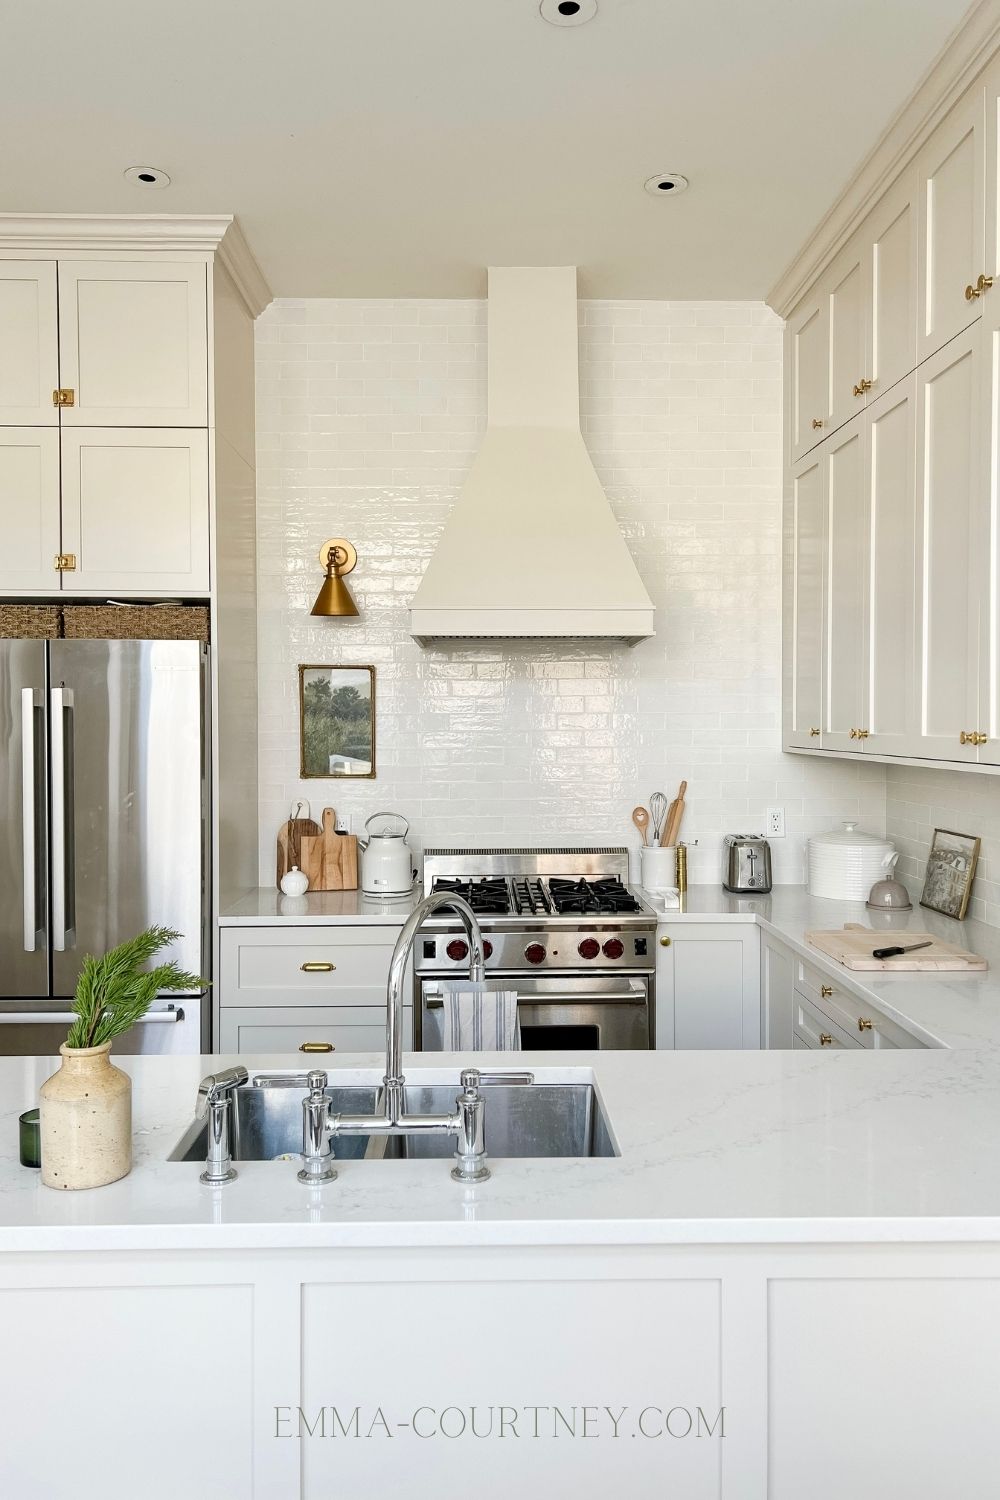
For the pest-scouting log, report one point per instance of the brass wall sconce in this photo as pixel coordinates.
(338, 557)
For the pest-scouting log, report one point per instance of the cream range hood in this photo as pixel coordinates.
(532, 549)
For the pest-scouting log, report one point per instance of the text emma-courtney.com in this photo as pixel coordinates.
(502, 1422)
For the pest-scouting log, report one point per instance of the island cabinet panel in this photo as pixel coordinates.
(708, 986)
(132, 1415)
(314, 1030)
(880, 1387)
(568, 1348)
(303, 966)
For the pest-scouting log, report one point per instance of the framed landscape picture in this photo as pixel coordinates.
(337, 721)
(951, 866)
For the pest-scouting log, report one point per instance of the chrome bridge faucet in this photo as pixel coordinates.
(319, 1127)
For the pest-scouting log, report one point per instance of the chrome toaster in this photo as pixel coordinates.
(746, 863)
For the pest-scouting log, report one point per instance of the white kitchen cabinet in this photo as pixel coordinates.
(777, 981)
(29, 343)
(952, 243)
(807, 346)
(29, 507)
(847, 289)
(804, 615)
(708, 985)
(133, 343)
(311, 1032)
(845, 585)
(306, 965)
(890, 236)
(952, 566)
(135, 512)
(889, 711)
(815, 1031)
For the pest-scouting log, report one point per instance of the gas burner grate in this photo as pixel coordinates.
(529, 897)
(586, 898)
(487, 897)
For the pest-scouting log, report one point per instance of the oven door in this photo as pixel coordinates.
(564, 1013)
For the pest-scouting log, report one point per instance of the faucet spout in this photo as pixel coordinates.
(393, 1106)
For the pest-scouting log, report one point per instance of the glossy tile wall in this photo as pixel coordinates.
(918, 801)
(368, 415)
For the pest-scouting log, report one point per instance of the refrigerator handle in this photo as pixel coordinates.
(63, 861)
(31, 699)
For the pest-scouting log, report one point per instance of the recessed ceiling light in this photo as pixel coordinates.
(147, 177)
(666, 184)
(568, 12)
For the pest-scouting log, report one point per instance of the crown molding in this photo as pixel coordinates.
(210, 234)
(965, 54)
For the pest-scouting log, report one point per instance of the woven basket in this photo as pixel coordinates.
(135, 622)
(30, 622)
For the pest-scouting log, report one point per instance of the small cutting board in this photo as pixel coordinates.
(330, 859)
(853, 946)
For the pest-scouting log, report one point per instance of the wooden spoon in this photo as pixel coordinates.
(640, 817)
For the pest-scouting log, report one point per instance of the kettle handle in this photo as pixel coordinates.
(405, 823)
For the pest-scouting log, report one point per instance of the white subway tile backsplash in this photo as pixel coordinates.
(918, 800)
(368, 416)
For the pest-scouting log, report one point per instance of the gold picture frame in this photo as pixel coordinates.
(951, 869)
(336, 722)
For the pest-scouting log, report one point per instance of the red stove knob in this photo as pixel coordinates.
(457, 950)
(534, 953)
(589, 948)
(487, 948)
(614, 948)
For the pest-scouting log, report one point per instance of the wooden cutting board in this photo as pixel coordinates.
(853, 946)
(290, 837)
(330, 859)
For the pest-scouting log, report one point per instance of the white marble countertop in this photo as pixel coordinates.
(720, 1147)
(267, 907)
(943, 1010)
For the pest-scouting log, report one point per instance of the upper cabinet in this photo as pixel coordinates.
(807, 358)
(952, 186)
(133, 343)
(850, 319)
(890, 236)
(29, 345)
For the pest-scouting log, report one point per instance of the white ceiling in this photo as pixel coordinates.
(396, 147)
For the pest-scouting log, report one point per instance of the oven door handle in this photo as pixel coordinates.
(433, 1000)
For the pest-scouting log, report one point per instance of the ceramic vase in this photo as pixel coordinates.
(86, 1120)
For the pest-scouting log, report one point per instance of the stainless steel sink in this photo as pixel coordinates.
(534, 1120)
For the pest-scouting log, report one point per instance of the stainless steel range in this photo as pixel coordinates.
(562, 927)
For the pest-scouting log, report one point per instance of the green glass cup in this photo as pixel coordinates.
(30, 1137)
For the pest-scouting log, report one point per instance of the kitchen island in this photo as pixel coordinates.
(787, 1282)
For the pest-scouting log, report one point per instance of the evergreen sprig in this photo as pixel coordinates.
(113, 992)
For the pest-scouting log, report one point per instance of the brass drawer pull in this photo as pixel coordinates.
(317, 1047)
(664, 942)
(64, 396)
(825, 1039)
(864, 1024)
(318, 968)
(826, 990)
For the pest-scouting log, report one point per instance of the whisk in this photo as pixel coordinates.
(658, 811)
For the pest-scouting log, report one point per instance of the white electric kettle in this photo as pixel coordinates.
(386, 861)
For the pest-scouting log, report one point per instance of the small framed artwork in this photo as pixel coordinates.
(337, 721)
(951, 867)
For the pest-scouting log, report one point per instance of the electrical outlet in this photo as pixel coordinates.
(344, 823)
(774, 820)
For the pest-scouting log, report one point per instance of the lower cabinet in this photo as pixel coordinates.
(777, 984)
(313, 1030)
(813, 1029)
(708, 986)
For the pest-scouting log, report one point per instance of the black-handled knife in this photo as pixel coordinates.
(894, 952)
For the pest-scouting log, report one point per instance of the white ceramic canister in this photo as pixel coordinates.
(845, 863)
(658, 867)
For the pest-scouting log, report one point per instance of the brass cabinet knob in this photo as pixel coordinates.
(826, 990)
(983, 284)
(863, 734)
(825, 1040)
(814, 732)
(855, 734)
(862, 386)
(664, 942)
(65, 396)
(864, 1024)
(317, 1047)
(972, 737)
(971, 293)
(817, 422)
(318, 968)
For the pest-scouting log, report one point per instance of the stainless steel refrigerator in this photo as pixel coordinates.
(103, 775)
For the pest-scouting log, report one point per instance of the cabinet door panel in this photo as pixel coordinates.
(848, 358)
(845, 587)
(809, 366)
(347, 1029)
(892, 294)
(949, 495)
(952, 239)
(134, 343)
(708, 988)
(890, 712)
(135, 511)
(29, 343)
(806, 584)
(778, 994)
(989, 549)
(29, 509)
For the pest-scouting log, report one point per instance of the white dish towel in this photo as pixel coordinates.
(473, 1019)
